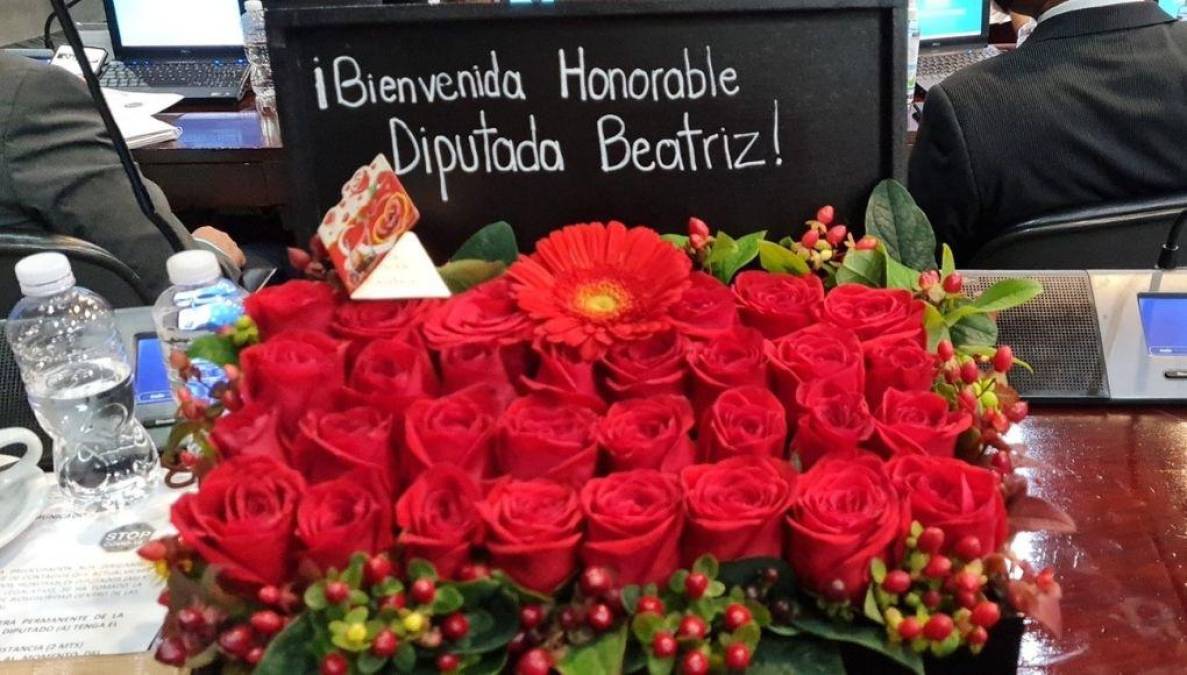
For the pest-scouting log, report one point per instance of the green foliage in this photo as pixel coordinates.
(680, 241)
(493, 243)
(779, 259)
(447, 600)
(865, 635)
(491, 626)
(460, 275)
(893, 217)
(800, 655)
(867, 268)
(947, 261)
(216, 349)
(289, 652)
(728, 255)
(975, 329)
(600, 656)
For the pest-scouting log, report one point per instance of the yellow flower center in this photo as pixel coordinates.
(601, 300)
(356, 633)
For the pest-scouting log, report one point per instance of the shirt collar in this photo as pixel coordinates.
(1075, 5)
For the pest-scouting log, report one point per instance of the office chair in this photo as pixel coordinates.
(1117, 235)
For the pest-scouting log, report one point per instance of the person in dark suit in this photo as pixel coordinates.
(1091, 108)
(59, 172)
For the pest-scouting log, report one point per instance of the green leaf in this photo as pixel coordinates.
(937, 329)
(864, 635)
(870, 606)
(658, 666)
(728, 255)
(644, 627)
(460, 275)
(947, 261)
(493, 243)
(369, 663)
(893, 217)
(976, 329)
(863, 267)
(777, 259)
(405, 658)
(747, 252)
(724, 247)
(419, 568)
(777, 655)
(749, 570)
(448, 600)
(630, 598)
(899, 275)
(289, 651)
(180, 432)
(492, 626)
(491, 663)
(1007, 293)
(706, 565)
(877, 570)
(676, 581)
(601, 656)
(680, 241)
(786, 631)
(477, 591)
(215, 349)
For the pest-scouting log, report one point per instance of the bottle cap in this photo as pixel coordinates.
(190, 268)
(253, 6)
(43, 274)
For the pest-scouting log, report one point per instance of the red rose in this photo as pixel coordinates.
(778, 304)
(485, 313)
(344, 516)
(242, 518)
(648, 433)
(330, 443)
(918, 422)
(813, 354)
(733, 359)
(633, 525)
(541, 437)
(374, 319)
(565, 375)
(483, 363)
(874, 312)
(953, 495)
(845, 512)
(736, 507)
(653, 366)
(251, 430)
(706, 309)
(743, 421)
(296, 305)
(533, 530)
(391, 374)
(439, 520)
(292, 372)
(836, 422)
(457, 429)
(898, 362)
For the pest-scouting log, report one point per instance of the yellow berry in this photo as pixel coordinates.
(356, 633)
(414, 622)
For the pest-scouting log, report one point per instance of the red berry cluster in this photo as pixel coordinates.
(938, 288)
(825, 243)
(984, 395)
(595, 609)
(937, 600)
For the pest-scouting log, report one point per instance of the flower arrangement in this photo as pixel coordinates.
(622, 453)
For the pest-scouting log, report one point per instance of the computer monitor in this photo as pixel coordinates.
(1173, 7)
(942, 20)
(153, 25)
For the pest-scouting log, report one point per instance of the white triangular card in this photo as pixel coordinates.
(405, 272)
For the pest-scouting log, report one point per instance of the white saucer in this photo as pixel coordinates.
(20, 504)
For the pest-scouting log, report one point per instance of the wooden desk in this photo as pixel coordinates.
(1121, 473)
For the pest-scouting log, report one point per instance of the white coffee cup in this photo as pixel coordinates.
(27, 464)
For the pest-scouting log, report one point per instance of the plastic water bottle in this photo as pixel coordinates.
(79, 382)
(913, 37)
(255, 43)
(199, 303)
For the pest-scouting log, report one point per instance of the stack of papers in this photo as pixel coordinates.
(133, 113)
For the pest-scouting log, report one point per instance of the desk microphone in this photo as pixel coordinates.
(143, 200)
(1168, 258)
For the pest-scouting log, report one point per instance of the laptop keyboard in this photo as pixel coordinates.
(948, 63)
(207, 74)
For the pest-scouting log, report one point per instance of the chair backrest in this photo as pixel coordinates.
(1117, 235)
(94, 268)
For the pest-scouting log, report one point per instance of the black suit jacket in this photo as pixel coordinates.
(1092, 108)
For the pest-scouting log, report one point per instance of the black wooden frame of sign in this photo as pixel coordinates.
(303, 213)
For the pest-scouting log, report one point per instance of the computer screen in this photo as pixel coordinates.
(941, 19)
(1172, 7)
(178, 23)
(1164, 322)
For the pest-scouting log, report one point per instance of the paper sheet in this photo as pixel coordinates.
(72, 585)
(133, 113)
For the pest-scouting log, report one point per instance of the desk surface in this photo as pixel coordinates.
(1122, 474)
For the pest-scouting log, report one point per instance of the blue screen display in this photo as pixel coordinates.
(939, 19)
(152, 382)
(1164, 322)
(1172, 7)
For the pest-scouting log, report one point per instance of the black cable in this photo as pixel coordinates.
(49, 23)
(1168, 258)
(121, 146)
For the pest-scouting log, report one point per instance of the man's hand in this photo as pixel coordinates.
(223, 242)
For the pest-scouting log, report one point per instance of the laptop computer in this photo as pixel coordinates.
(188, 47)
(953, 34)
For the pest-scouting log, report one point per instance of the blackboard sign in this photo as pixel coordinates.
(746, 113)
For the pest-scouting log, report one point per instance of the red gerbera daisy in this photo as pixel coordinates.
(590, 285)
